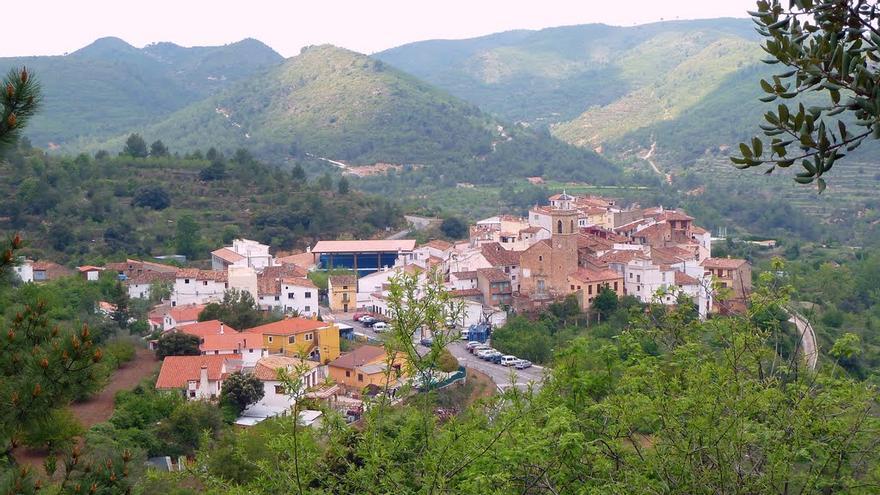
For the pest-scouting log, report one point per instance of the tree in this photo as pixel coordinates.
(135, 146)
(177, 344)
(454, 228)
(241, 390)
(215, 171)
(605, 302)
(325, 182)
(831, 48)
(238, 309)
(151, 196)
(119, 299)
(343, 185)
(187, 238)
(298, 174)
(158, 149)
(19, 101)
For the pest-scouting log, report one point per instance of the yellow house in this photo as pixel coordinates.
(366, 365)
(342, 292)
(300, 337)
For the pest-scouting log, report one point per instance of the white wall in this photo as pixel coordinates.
(25, 271)
(294, 297)
(192, 291)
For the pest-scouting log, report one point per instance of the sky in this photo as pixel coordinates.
(367, 26)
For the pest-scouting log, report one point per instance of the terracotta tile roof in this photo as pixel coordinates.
(413, 269)
(383, 245)
(283, 270)
(674, 215)
(366, 354)
(698, 230)
(267, 367)
(341, 280)
(498, 256)
(227, 255)
(178, 370)
(588, 275)
(303, 260)
(671, 254)
(531, 230)
(149, 277)
(189, 312)
(268, 286)
(492, 275)
(619, 256)
(465, 275)
(228, 341)
(53, 270)
(725, 263)
(682, 278)
(465, 293)
(299, 282)
(89, 268)
(197, 274)
(210, 327)
(288, 326)
(438, 244)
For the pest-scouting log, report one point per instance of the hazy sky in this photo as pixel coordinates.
(367, 26)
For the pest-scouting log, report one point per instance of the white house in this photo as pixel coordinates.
(140, 284)
(266, 369)
(24, 269)
(289, 294)
(197, 377)
(247, 345)
(180, 316)
(194, 286)
(89, 272)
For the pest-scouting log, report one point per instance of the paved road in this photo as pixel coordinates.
(808, 339)
(503, 376)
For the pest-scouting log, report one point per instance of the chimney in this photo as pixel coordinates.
(221, 328)
(203, 379)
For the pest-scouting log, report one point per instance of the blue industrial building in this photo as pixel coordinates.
(361, 257)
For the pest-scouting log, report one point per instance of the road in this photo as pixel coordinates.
(503, 376)
(648, 159)
(808, 339)
(415, 223)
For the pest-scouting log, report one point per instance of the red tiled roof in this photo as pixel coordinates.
(268, 286)
(619, 256)
(149, 277)
(383, 245)
(531, 230)
(267, 368)
(302, 260)
(228, 341)
(438, 244)
(674, 215)
(341, 280)
(725, 263)
(210, 327)
(283, 270)
(682, 278)
(189, 312)
(498, 256)
(89, 268)
(588, 275)
(492, 275)
(299, 282)
(196, 274)
(465, 275)
(465, 293)
(178, 370)
(227, 255)
(698, 230)
(289, 326)
(366, 354)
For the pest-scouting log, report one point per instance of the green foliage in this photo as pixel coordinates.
(238, 309)
(447, 362)
(241, 390)
(187, 238)
(19, 101)
(177, 344)
(155, 197)
(158, 149)
(454, 228)
(605, 302)
(135, 146)
(55, 431)
(215, 171)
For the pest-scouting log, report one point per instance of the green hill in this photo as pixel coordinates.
(109, 87)
(343, 106)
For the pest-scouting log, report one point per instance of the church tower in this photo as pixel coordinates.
(564, 239)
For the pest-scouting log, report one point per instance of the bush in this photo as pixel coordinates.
(55, 432)
(447, 362)
(151, 196)
(177, 344)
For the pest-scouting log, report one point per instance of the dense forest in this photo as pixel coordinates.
(147, 201)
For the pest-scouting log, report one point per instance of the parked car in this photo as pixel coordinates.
(470, 345)
(368, 321)
(379, 326)
(465, 334)
(508, 360)
(523, 364)
(484, 353)
(427, 342)
(477, 348)
(495, 358)
(358, 316)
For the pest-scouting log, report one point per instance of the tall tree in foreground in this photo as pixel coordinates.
(18, 103)
(830, 48)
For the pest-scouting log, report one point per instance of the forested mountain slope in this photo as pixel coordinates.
(109, 86)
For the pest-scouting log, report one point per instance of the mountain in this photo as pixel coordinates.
(596, 85)
(110, 87)
(344, 106)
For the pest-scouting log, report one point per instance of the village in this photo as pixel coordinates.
(574, 246)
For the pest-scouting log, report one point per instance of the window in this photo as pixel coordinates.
(559, 226)
(186, 280)
(579, 287)
(360, 377)
(308, 295)
(615, 286)
(270, 339)
(540, 258)
(590, 289)
(347, 374)
(630, 275)
(638, 278)
(277, 298)
(291, 339)
(205, 283)
(290, 295)
(308, 309)
(309, 336)
(192, 394)
(279, 389)
(344, 287)
(572, 287)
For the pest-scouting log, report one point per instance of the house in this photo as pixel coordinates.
(274, 393)
(546, 264)
(196, 377)
(247, 345)
(210, 327)
(44, 271)
(505, 260)
(730, 273)
(342, 292)
(366, 365)
(140, 284)
(89, 272)
(130, 268)
(195, 286)
(586, 283)
(180, 316)
(243, 253)
(362, 257)
(223, 258)
(24, 269)
(299, 295)
(495, 287)
(300, 337)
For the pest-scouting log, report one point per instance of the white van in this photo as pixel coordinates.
(508, 360)
(380, 327)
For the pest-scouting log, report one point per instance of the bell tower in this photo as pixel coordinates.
(564, 240)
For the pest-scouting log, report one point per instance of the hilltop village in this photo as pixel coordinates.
(575, 245)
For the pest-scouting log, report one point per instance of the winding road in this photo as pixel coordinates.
(808, 339)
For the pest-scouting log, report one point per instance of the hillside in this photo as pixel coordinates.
(109, 87)
(343, 106)
(84, 210)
